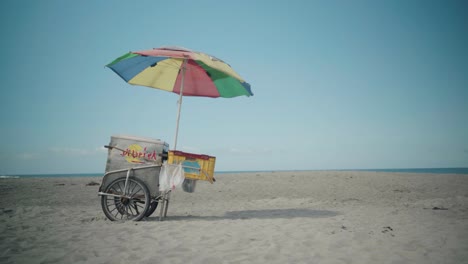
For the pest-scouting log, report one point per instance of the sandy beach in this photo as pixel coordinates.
(268, 217)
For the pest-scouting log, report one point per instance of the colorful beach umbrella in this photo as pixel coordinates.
(181, 71)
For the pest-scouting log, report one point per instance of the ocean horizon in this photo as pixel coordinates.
(401, 170)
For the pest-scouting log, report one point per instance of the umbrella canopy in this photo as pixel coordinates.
(181, 71)
(161, 68)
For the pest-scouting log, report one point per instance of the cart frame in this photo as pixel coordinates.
(160, 197)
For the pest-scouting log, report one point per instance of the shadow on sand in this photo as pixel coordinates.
(257, 214)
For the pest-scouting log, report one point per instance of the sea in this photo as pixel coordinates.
(410, 170)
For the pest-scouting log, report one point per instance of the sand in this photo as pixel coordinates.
(269, 217)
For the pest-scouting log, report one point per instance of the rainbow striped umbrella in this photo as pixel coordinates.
(181, 71)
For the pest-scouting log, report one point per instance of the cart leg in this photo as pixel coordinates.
(166, 204)
(163, 204)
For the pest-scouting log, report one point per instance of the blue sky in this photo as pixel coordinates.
(337, 84)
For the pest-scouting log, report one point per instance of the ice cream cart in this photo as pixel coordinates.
(140, 174)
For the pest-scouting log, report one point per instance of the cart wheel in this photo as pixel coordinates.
(151, 208)
(131, 205)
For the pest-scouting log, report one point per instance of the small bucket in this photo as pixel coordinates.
(189, 185)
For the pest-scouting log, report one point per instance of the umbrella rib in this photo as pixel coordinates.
(172, 64)
(169, 64)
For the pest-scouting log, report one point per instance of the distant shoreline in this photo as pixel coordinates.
(407, 170)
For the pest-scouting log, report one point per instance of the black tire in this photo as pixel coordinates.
(132, 206)
(152, 208)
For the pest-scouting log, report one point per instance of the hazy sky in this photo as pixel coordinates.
(337, 84)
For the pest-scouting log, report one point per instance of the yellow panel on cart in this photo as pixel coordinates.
(196, 166)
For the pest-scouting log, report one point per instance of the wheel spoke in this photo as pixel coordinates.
(134, 193)
(132, 187)
(129, 206)
(134, 205)
(121, 186)
(115, 208)
(117, 214)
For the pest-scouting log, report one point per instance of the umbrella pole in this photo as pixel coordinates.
(180, 102)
